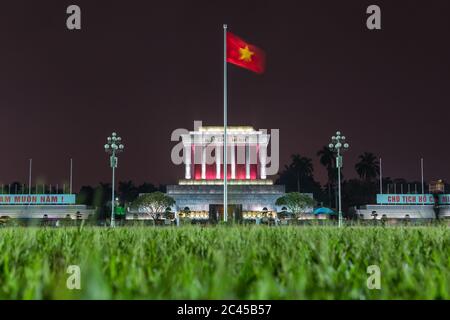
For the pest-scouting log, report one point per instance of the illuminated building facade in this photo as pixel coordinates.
(250, 193)
(247, 150)
(425, 206)
(42, 206)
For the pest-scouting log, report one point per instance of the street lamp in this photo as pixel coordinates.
(113, 146)
(338, 143)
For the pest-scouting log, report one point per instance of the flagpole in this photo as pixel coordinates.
(421, 173)
(225, 191)
(381, 177)
(71, 174)
(29, 177)
(29, 180)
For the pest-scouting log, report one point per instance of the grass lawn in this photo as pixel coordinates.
(253, 262)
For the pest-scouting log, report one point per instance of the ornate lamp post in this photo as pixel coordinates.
(338, 143)
(113, 146)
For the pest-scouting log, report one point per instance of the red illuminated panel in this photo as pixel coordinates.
(253, 171)
(240, 171)
(210, 171)
(197, 171)
(240, 168)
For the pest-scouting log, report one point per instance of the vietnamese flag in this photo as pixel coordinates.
(245, 55)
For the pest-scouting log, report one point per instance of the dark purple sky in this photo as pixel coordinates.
(144, 68)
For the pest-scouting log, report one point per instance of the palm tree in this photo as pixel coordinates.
(302, 166)
(298, 175)
(327, 158)
(368, 166)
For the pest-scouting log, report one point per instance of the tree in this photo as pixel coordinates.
(296, 202)
(86, 195)
(356, 192)
(102, 196)
(368, 167)
(128, 192)
(299, 176)
(301, 166)
(154, 204)
(146, 188)
(327, 158)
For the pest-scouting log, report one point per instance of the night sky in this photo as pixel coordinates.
(145, 68)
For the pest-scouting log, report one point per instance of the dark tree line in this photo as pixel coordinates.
(17, 187)
(100, 196)
(299, 176)
(127, 192)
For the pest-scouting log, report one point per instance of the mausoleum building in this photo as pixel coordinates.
(250, 192)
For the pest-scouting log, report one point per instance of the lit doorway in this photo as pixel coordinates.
(216, 212)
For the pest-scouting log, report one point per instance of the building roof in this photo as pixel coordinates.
(229, 128)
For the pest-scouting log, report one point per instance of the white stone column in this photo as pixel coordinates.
(203, 160)
(233, 159)
(187, 161)
(218, 157)
(262, 160)
(247, 160)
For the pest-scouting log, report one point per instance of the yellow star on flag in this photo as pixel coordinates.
(246, 54)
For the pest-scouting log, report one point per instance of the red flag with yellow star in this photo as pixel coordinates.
(245, 55)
